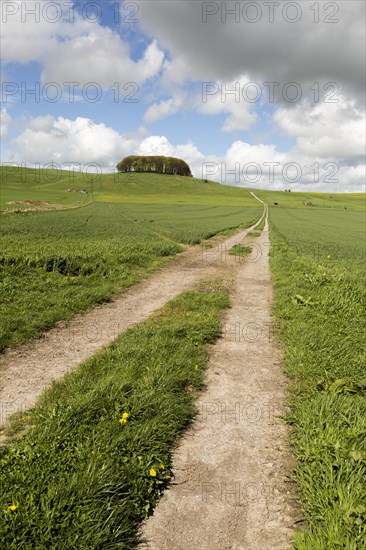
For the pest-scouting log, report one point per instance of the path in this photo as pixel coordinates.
(27, 370)
(229, 490)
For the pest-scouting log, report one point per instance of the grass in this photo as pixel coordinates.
(318, 265)
(81, 479)
(254, 233)
(21, 184)
(56, 264)
(240, 250)
(191, 224)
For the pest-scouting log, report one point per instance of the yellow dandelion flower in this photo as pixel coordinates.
(196, 366)
(162, 466)
(328, 257)
(12, 507)
(124, 418)
(152, 472)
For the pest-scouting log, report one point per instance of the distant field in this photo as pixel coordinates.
(337, 201)
(55, 264)
(318, 263)
(64, 188)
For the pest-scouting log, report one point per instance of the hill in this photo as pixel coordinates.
(63, 189)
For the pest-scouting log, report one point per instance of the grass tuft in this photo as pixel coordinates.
(240, 250)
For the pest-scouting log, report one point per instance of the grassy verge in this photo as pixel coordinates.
(318, 302)
(98, 453)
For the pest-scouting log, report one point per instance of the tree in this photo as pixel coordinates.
(158, 164)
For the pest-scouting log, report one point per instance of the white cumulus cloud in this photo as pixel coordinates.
(71, 48)
(48, 139)
(325, 129)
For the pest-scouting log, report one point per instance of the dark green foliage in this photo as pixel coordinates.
(158, 164)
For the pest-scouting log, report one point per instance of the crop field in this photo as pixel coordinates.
(56, 264)
(318, 263)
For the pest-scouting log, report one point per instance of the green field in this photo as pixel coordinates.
(318, 263)
(56, 264)
(331, 201)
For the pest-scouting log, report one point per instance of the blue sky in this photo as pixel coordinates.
(166, 58)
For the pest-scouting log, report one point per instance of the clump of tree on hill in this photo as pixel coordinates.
(159, 164)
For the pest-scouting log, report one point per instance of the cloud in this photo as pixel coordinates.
(213, 98)
(72, 49)
(103, 58)
(326, 129)
(226, 98)
(226, 45)
(28, 37)
(4, 122)
(47, 139)
(164, 109)
(264, 167)
(155, 145)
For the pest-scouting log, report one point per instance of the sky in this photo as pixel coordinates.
(264, 94)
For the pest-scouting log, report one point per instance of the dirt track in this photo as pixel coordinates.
(229, 490)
